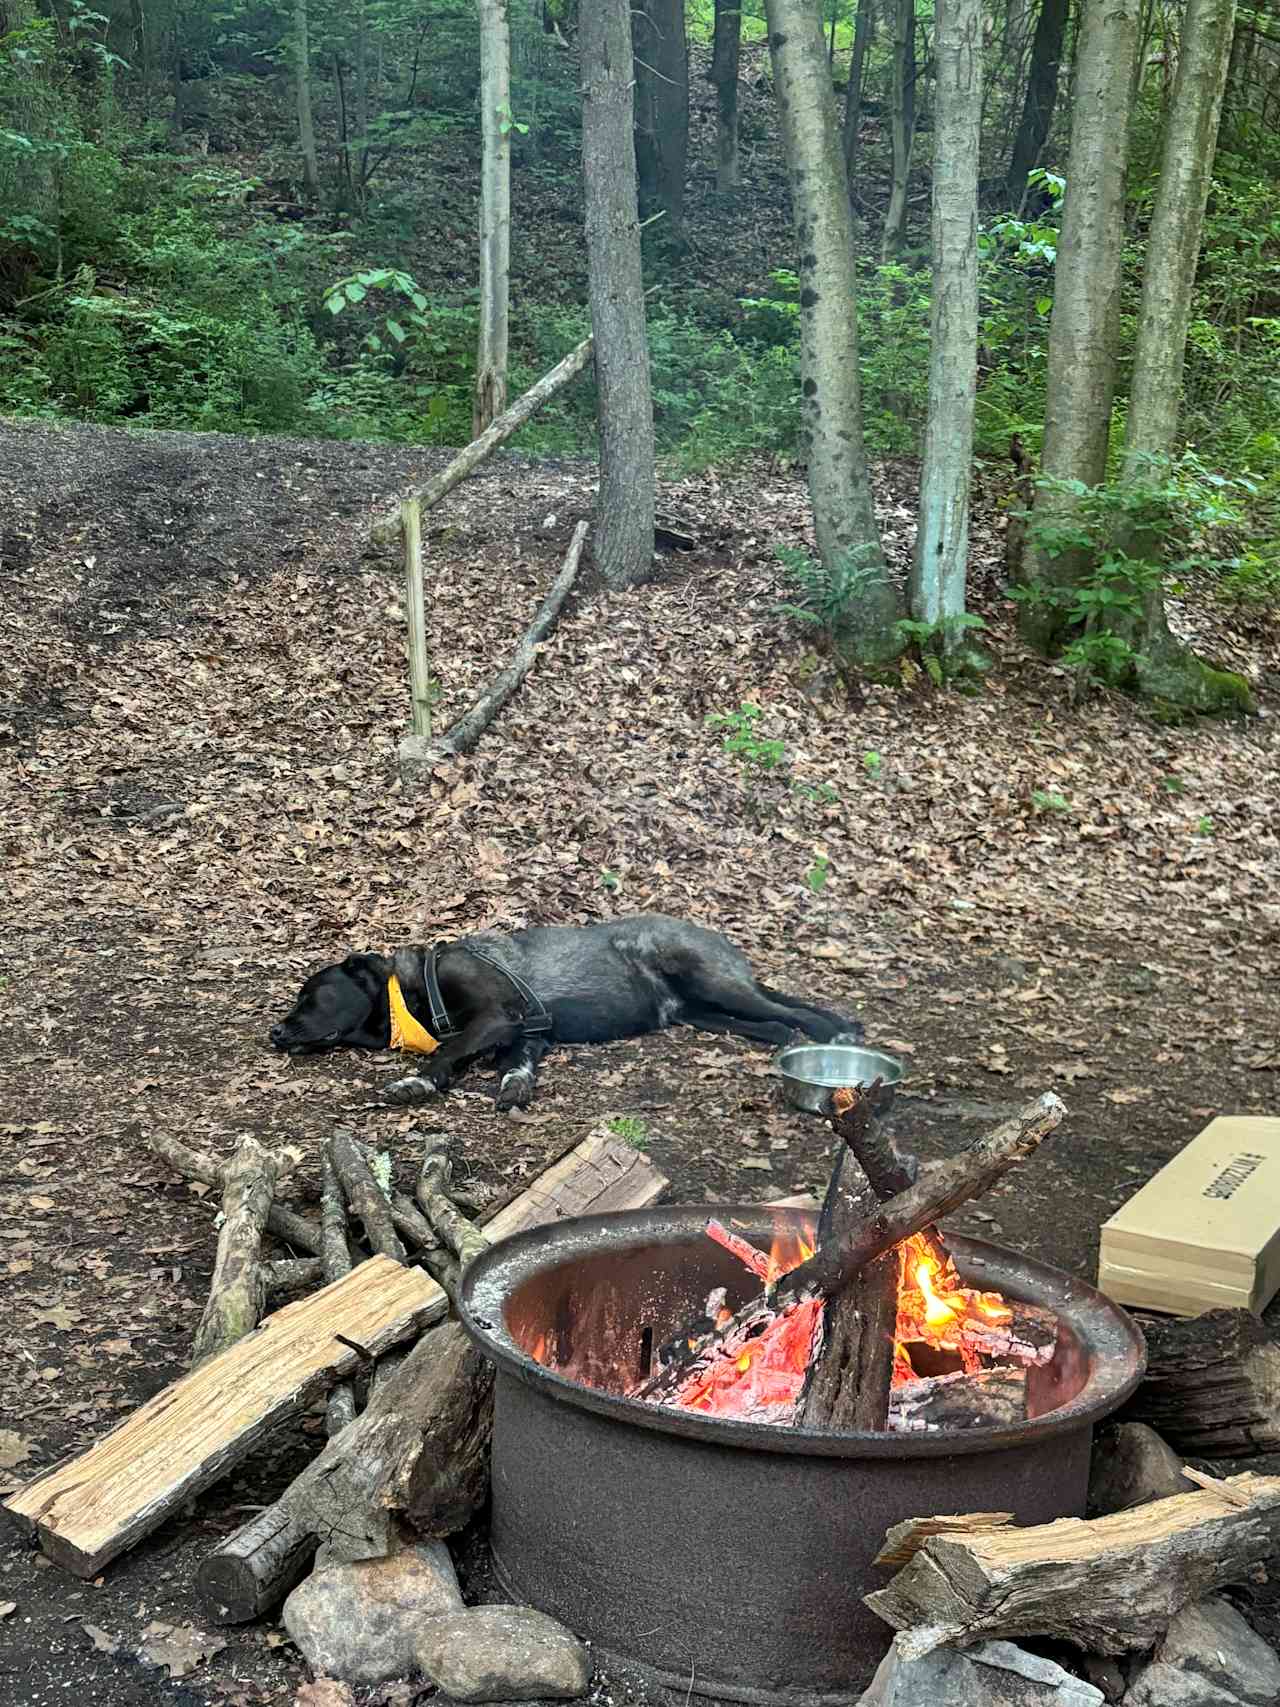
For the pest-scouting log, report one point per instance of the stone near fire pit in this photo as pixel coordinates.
(1210, 1657)
(362, 1622)
(503, 1653)
(992, 1674)
(1132, 1465)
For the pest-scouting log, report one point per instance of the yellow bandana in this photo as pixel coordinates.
(406, 1033)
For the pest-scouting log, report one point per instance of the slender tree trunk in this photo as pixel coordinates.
(623, 545)
(831, 408)
(495, 213)
(942, 533)
(1041, 96)
(1082, 332)
(864, 30)
(725, 52)
(1173, 249)
(902, 123)
(360, 104)
(661, 109)
(141, 43)
(302, 82)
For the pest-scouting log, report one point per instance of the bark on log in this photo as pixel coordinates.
(940, 1188)
(463, 735)
(289, 1274)
(1212, 1386)
(466, 1241)
(993, 1398)
(195, 1164)
(413, 1226)
(364, 1195)
(849, 1389)
(386, 531)
(1110, 1586)
(238, 1290)
(336, 1257)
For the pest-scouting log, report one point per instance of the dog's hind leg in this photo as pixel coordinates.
(830, 1025)
(707, 990)
(518, 1071)
(759, 1030)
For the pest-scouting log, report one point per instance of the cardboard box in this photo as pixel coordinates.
(1205, 1232)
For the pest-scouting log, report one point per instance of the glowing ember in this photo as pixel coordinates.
(763, 1381)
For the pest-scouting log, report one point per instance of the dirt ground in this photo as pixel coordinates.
(201, 692)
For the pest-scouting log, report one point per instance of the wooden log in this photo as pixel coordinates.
(992, 1398)
(432, 1191)
(195, 1164)
(365, 1198)
(420, 1445)
(385, 531)
(238, 1290)
(463, 735)
(904, 1540)
(291, 1274)
(413, 1226)
(1212, 1387)
(940, 1188)
(340, 1408)
(849, 1388)
(1110, 1586)
(92, 1507)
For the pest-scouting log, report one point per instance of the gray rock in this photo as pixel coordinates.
(418, 757)
(361, 1622)
(503, 1653)
(1132, 1465)
(992, 1674)
(1209, 1657)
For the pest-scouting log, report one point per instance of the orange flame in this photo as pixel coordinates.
(790, 1247)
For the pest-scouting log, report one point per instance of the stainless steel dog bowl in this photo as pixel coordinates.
(811, 1071)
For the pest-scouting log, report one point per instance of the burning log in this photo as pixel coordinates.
(1212, 1386)
(1110, 1586)
(940, 1188)
(238, 1290)
(849, 1386)
(992, 1398)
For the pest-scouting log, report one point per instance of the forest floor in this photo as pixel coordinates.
(202, 691)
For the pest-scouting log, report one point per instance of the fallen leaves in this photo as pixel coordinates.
(178, 1648)
(324, 1692)
(15, 1449)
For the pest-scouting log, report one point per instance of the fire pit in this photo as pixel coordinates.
(730, 1557)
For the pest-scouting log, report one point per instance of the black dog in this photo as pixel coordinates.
(521, 994)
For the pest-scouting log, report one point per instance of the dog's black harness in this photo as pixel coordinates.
(536, 1017)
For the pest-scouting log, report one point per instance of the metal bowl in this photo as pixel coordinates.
(811, 1071)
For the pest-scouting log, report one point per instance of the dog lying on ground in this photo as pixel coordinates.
(518, 996)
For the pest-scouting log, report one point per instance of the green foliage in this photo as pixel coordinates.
(818, 873)
(828, 600)
(873, 764)
(631, 1129)
(1049, 800)
(940, 647)
(755, 753)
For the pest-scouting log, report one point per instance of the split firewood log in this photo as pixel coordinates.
(194, 1164)
(1110, 1586)
(849, 1385)
(238, 1291)
(940, 1188)
(1212, 1386)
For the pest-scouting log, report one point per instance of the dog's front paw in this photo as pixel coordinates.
(515, 1090)
(408, 1093)
(856, 1035)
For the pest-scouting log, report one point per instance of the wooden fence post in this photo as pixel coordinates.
(419, 665)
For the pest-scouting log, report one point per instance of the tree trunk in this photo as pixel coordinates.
(661, 116)
(864, 30)
(302, 79)
(1082, 332)
(495, 213)
(1165, 668)
(725, 53)
(831, 408)
(942, 532)
(1041, 96)
(360, 106)
(624, 525)
(902, 124)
